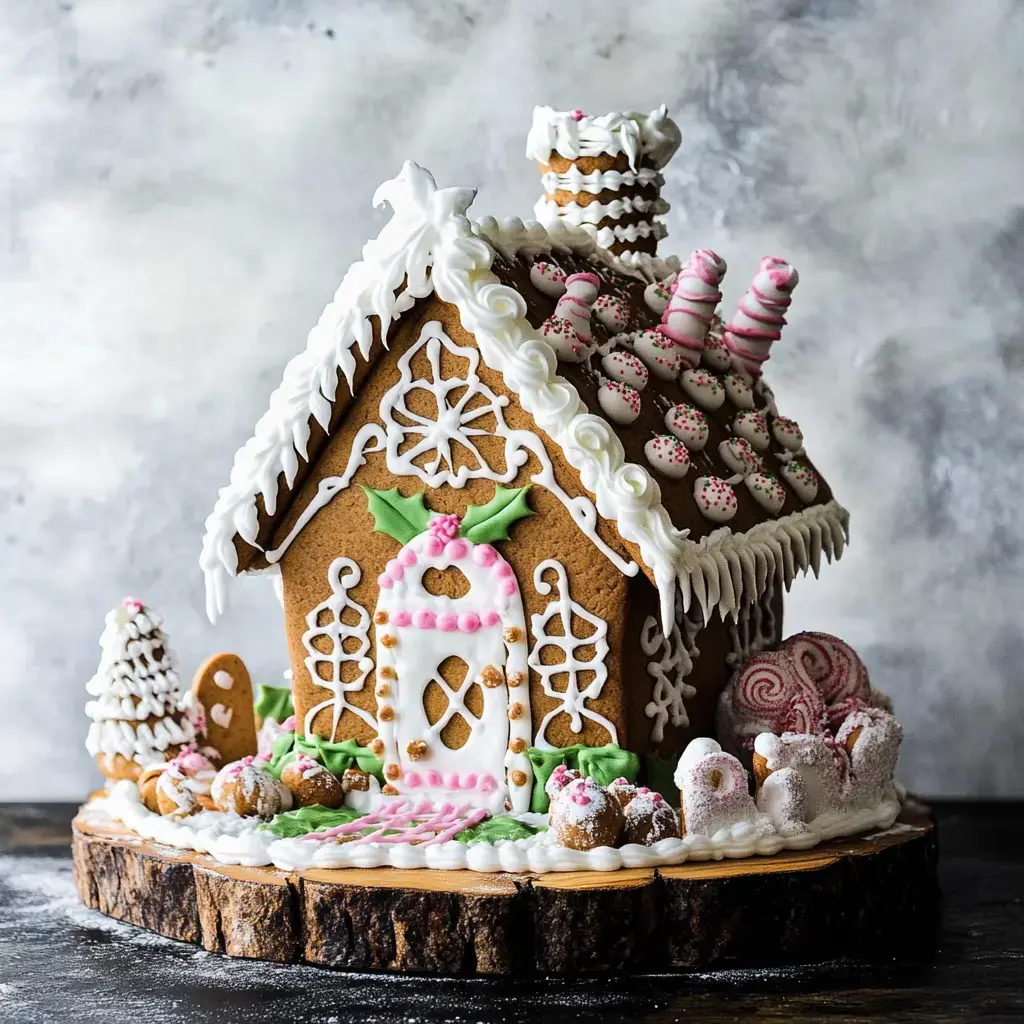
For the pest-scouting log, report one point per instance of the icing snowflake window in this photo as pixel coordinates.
(338, 635)
(439, 444)
(554, 629)
(674, 662)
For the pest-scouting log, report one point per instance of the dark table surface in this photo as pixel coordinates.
(61, 962)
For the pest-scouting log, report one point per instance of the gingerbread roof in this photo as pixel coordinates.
(488, 271)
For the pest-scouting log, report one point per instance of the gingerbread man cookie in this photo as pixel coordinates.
(223, 687)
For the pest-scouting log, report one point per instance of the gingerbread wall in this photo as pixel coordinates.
(345, 527)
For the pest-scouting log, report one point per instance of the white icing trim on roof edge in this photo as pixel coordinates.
(431, 244)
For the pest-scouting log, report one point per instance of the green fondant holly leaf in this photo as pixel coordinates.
(308, 819)
(398, 517)
(484, 524)
(494, 830)
(602, 764)
(274, 702)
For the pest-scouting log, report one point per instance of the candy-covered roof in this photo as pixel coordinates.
(671, 449)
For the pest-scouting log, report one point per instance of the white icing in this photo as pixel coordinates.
(766, 491)
(625, 367)
(668, 456)
(136, 680)
(572, 134)
(485, 628)
(574, 180)
(674, 662)
(230, 839)
(430, 245)
(751, 427)
(608, 236)
(333, 634)
(223, 679)
(619, 402)
(594, 212)
(571, 697)
(221, 715)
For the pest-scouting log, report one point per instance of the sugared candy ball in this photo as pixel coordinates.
(246, 788)
(625, 368)
(559, 779)
(766, 491)
(619, 402)
(584, 816)
(668, 456)
(311, 784)
(751, 427)
(622, 790)
(662, 357)
(648, 819)
(703, 387)
(801, 478)
(688, 424)
(715, 498)
(548, 279)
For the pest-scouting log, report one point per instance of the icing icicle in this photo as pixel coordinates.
(695, 295)
(760, 316)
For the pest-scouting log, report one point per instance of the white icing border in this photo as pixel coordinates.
(430, 244)
(233, 840)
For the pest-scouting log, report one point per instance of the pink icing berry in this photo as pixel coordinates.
(485, 555)
(424, 619)
(469, 622)
(447, 622)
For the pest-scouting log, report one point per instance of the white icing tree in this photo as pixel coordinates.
(139, 711)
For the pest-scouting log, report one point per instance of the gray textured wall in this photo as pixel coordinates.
(184, 183)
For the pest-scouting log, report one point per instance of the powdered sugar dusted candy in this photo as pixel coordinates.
(811, 756)
(802, 479)
(548, 279)
(715, 355)
(559, 779)
(787, 433)
(873, 739)
(715, 498)
(668, 456)
(661, 356)
(619, 402)
(740, 457)
(713, 789)
(623, 790)
(584, 816)
(247, 788)
(695, 295)
(739, 391)
(759, 318)
(612, 313)
(751, 427)
(657, 295)
(766, 491)
(648, 819)
(703, 387)
(626, 368)
(688, 424)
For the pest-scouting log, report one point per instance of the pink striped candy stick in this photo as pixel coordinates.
(759, 318)
(695, 296)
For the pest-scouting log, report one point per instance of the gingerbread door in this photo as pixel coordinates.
(453, 705)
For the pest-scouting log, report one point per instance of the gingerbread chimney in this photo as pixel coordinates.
(603, 173)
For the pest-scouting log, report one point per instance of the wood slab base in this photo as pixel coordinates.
(847, 897)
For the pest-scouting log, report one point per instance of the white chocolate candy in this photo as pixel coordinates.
(691, 309)
(560, 335)
(715, 498)
(801, 478)
(766, 491)
(787, 433)
(657, 295)
(619, 402)
(612, 312)
(548, 279)
(740, 393)
(751, 427)
(661, 356)
(739, 456)
(715, 355)
(703, 387)
(688, 424)
(625, 367)
(668, 456)
(567, 330)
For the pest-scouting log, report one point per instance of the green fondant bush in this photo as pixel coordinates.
(602, 764)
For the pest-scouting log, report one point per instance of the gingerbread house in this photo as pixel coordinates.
(530, 500)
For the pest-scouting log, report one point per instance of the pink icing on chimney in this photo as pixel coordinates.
(759, 318)
(133, 604)
(695, 295)
(577, 115)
